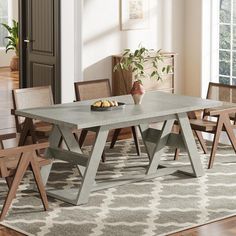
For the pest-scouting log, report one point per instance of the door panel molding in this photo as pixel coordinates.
(43, 71)
(42, 19)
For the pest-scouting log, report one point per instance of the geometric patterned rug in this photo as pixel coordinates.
(155, 207)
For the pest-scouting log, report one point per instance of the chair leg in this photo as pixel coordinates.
(115, 137)
(76, 137)
(103, 157)
(9, 181)
(1, 144)
(177, 151)
(201, 141)
(230, 132)
(215, 141)
(82, 137)
(21, 169)
(135, 136)
(38, 179)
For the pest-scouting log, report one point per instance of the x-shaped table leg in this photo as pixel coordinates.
(89, 170)
(190, 144)
(156, 152)
(155, 144)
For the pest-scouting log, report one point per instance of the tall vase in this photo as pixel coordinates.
(137, 92)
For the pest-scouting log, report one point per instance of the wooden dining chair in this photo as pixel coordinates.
(13, 164)
(31, 98)
(96, 89)
(219, 119)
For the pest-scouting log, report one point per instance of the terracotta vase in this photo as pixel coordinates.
(14, 65)
(137, 92)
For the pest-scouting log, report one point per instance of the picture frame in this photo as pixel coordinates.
(135, 14)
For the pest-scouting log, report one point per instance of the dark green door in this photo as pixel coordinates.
(40, 44)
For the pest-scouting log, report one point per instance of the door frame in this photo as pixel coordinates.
(22, 47)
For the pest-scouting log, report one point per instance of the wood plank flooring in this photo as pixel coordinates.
(9, 81)
(226, 227)
(9, 232)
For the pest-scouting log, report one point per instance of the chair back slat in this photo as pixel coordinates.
(92, 89)
(222, 92)
(31, 98)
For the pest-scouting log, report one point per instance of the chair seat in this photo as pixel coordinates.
(41, 128)
(197, 124)
(13, 161)
(203, 125)
(11, 164)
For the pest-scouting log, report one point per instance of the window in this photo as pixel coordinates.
(227, 42)
(3, 19)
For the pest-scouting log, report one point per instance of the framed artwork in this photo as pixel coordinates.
(134, 14)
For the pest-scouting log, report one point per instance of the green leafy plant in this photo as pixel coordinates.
(13, 38)
(135, 62)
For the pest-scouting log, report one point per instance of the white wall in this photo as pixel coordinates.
(103, 38)
(95, 35)
(67, 50)
(5, 58)
(178, 41)
(13, 13)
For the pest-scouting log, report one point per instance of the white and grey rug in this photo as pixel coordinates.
(154, 207)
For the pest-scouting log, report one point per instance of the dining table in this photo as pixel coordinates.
(156, 107)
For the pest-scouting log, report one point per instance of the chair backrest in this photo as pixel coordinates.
(31, 98)
(222, 92)
(92, 89)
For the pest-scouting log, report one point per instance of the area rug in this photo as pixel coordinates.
(154, 207)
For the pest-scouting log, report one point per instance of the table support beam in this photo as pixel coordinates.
(190, 144)
(92, 166)
(155, 154)
(54, 141)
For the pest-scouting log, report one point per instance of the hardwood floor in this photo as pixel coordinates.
(226, 227)
(9, 232)
(9, 81)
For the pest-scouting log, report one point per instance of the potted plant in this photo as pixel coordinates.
(135, 62)
(13, 43)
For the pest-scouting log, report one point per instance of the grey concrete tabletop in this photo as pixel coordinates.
(155, 104)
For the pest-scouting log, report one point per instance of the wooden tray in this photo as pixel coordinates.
(121, 105)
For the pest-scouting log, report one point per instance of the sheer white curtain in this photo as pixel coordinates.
(210, 43)
(218, 39)
(8, 8)
(4, 18)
